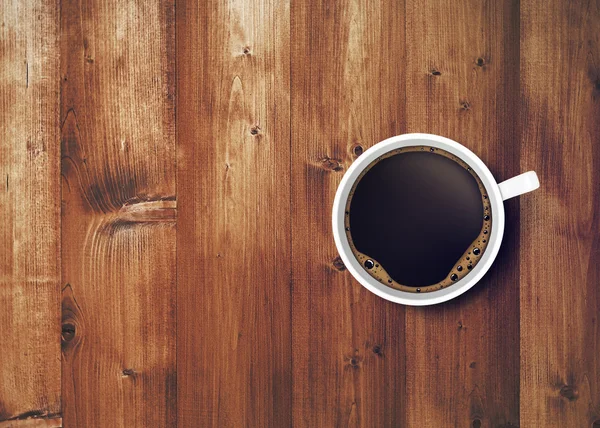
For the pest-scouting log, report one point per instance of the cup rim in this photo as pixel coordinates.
(404, 297)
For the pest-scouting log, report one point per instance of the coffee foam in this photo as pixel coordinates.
(463, 266)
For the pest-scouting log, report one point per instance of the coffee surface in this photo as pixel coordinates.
(418, 219)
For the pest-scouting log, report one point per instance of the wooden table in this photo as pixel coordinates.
(168, 173)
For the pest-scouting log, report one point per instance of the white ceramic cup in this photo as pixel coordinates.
(497, 193)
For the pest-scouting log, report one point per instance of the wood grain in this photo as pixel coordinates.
(29, 210)
(348, 345)
(560, 228)
(200, 281)
(33, 423)
(234, 213)
(119, 212)
(462, 357)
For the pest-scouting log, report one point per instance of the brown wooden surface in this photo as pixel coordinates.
(560, 224)
(348, 344)
(202, 144)
(462, 358)
(37, 422)
(29, 210)
(118, 213)
(233, 190)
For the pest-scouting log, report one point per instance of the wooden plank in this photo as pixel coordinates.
(462, 357)
(33, 422)
(234, 208)
(118, 217)
(29, 210)
(347, 94)
(560, 227)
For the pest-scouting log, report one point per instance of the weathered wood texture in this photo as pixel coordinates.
(347, 94)
(34, 422)
(200, 281)
(560, 224)
(233, 116)
(29, 210)
(462, 77)
(118, 214)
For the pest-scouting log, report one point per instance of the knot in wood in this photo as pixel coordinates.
(569, 393)
(338, 263)
(68, 332)
(331, 164)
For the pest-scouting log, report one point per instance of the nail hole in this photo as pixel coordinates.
(480, 62)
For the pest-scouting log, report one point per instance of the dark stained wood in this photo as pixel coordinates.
(118, 214)
(29, 211)
(233, 127)
(347, 94)
(462, 357)
(560, 226)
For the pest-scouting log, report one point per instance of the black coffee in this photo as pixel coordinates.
(418, 219)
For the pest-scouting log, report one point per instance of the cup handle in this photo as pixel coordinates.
(518, 185)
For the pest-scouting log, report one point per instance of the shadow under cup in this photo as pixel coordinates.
(418, 219)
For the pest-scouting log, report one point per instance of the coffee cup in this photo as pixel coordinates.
(429, 185)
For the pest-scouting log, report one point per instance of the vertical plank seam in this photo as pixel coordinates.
(60, 195)
(291, 189)
(404, 386)
(176, 173)
(519, 132)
